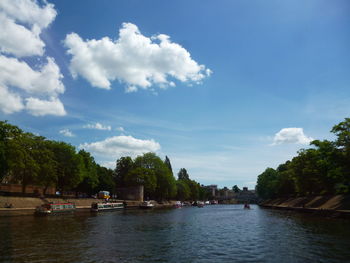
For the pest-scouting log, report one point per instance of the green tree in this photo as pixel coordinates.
(236, 189)
(168, 164)
(88, 172)
(106, 180)
(22, 164)
(266, 184)
(69, 166)
(166, 184)
(143, 176)
(123, 167)
(183, 190)
(45, 159)
(183, 175)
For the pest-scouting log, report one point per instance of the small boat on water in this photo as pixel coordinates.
(246, 206)
(178, 204)
(55, 208)
(200, 204)
(146, 205)
(106, 206)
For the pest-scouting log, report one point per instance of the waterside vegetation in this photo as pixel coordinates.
(30, 159)
(323, 169)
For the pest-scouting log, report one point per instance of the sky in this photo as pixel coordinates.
(224, 88)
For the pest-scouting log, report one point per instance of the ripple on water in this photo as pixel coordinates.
(222, 233)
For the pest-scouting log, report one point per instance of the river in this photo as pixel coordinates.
(217, 233)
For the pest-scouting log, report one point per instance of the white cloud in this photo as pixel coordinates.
(66, 132)
(22, 22)
(38, 107)
(134, 59)
(117, 146)
(18, 74)
(97, 126)
(291, 135)
(10, 102)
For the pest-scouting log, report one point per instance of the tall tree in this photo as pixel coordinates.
(183, 175)
(168, 164)
(123, 167)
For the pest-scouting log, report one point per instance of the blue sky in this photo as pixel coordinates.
(236, 87)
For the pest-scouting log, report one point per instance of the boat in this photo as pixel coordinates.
(106, 206)
(146, 205)
(178, 204)
(200, 204)
(246, 206)
(213, 202)
(55, 208)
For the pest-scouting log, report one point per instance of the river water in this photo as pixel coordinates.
(218, 233)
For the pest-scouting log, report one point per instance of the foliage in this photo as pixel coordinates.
(322, 169)
(183, 175)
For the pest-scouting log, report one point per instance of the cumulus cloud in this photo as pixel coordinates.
(66, 132)
(10, 102)
(22, 22)
(291, 135)
(45, 81)
(38, 107)
(134, 59)
(97, 126)
(117, 146)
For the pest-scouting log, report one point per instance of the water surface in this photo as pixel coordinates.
(218, 233)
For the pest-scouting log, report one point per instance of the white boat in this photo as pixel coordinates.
(200, 203)
(178, 204)
(96, 207)
(146, 205)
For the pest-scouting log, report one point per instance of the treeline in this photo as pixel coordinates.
(320, 170)
(157, 178)
(29, 159)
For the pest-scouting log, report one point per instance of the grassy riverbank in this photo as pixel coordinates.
(327, 205)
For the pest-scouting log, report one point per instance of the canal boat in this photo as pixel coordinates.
(146, 205)
(106, 206)
(55, 208)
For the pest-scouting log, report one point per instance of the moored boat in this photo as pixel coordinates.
(200, 204)
(55, 208)
(106, 206)
(178, 204)
(146, 205)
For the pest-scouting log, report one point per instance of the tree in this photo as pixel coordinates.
(168, 164)
(142, 176)
(236, 189)
(166, 184)
(123, 167)
(89, 173)
(45, 159)
(106, 180)
(183, 175)
(183, 190)
(69, 166)
(21, 161)
(266, 184)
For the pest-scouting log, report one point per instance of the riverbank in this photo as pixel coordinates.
(27, 205)
(330, 205)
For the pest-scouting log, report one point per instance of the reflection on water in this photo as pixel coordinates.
(222, 233)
